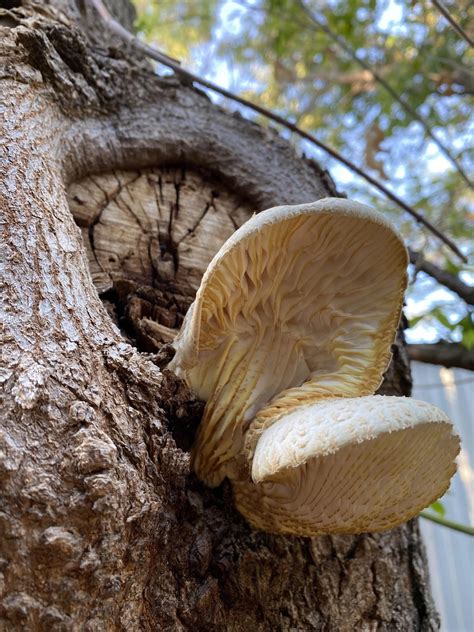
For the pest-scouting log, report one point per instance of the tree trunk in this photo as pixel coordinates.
(117, 186)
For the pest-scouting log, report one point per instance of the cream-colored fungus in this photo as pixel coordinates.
(349, 465)
(301, 304)
(306, 295)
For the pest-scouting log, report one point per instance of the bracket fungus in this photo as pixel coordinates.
(287, 340)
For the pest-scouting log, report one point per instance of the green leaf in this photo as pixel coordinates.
(442, 318)
(414, 321)
(438, 507)
(452, 267)
(468, 339)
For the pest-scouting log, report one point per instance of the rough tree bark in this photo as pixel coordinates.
(116, 188)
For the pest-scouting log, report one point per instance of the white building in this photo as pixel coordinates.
(450, 553)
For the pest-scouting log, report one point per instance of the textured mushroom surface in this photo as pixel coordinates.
(349, 465)
(301, 303)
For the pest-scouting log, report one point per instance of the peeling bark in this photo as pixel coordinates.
(108, 175)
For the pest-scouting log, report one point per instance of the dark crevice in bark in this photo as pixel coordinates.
(184, 412)
(418, 583)
(352, 551)
(134, 302)
(191, 231)
(167, 245)
(8, 21)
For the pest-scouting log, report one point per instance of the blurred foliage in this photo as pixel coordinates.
(273, 52)
(176, 27)
(457, 328)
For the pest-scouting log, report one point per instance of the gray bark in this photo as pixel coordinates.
(103, 526)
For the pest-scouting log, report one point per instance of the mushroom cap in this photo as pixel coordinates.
(349, 465)
(302, 302)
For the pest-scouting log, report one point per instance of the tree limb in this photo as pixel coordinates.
(448, 354)
(451, 281)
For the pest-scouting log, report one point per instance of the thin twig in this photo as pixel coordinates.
(451, 281)
(191, 77)
(447, 523)
(388, 88)
(442, 9)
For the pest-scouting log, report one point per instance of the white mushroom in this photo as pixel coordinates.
(301, 305)
(300, 295)
(348, 465)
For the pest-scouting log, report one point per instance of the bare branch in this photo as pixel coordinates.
(451, 281)
(191, 77)
(442, 9)
(448, 354)
(388, 88)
